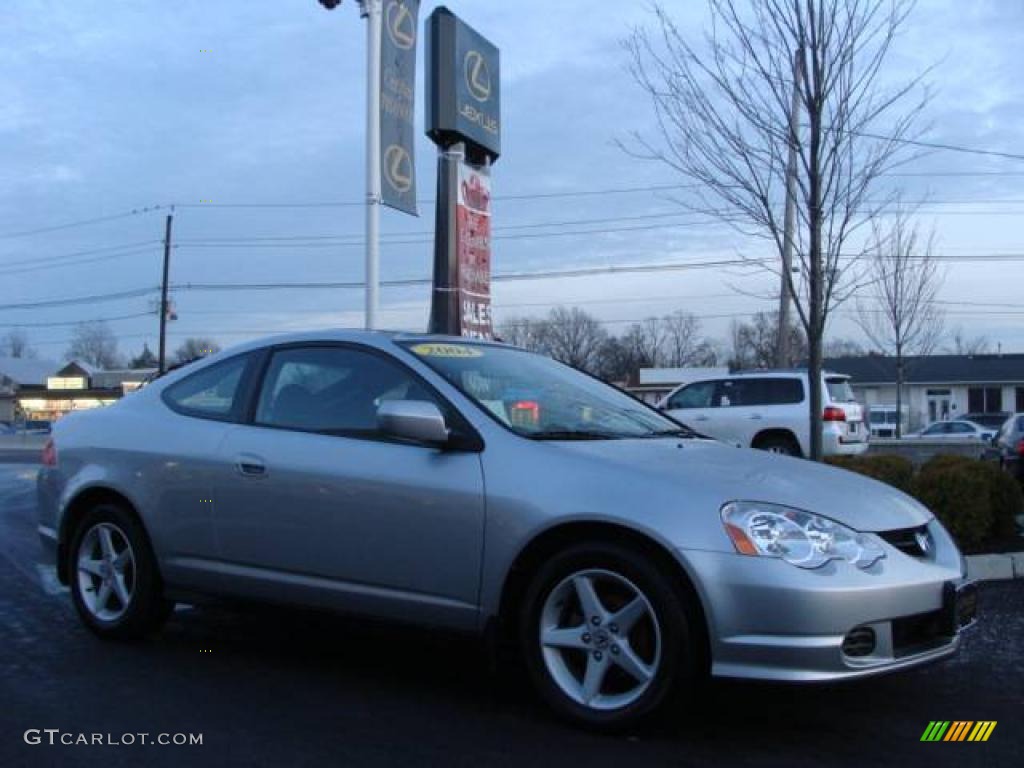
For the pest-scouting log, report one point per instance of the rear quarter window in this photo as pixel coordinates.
(839, 390)
(214, 392)
(776, 391)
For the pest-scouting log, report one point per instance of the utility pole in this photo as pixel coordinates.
(789, 221)
(371, 11)
(163, 295)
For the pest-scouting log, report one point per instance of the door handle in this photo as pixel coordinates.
(250, 466)
(755, 416)
(700, 418)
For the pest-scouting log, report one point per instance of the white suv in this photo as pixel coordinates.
(769, 410)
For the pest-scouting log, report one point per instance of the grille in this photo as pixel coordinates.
(909, 540)
(915, 634)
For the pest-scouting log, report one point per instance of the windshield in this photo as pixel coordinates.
(540, 398)
(839, 390)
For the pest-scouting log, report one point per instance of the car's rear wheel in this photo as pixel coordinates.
(115, 583)
(780, 444)
(604, 635)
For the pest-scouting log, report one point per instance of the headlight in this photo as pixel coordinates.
(800, 538)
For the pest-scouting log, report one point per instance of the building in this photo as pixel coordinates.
(21, 375)
(938, 387)
(652, 384)
(74, 386)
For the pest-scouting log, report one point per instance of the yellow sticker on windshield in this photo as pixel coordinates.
(446, 350)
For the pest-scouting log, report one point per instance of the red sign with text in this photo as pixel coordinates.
(473, 251)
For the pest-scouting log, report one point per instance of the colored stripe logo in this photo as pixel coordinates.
(958, 730)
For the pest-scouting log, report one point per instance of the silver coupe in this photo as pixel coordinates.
(479, 487)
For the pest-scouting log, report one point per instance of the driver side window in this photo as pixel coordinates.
(698, 395)
(334, 390)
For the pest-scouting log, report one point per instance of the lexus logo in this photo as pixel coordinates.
(398, 168)
(400, 24)
(478, 76)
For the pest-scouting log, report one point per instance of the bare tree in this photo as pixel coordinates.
(195, 347)
(900, 315)
(755, 342)
(682, 338)
(95, 344)
(145, 359)
(647, 340)
(616, 362)
(724, 123)
(961, 344)
(567, 334)
(15, 343)
(526, 332)
(844, 348)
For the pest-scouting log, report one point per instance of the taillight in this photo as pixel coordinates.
(833, 414)
(1020, 448)
(50, 454)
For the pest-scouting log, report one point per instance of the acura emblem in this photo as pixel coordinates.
(924, 542)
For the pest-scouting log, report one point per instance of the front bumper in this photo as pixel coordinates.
(769, 620)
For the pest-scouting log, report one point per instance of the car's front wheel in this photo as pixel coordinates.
(115, 583)
(605, 635)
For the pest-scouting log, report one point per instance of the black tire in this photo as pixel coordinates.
(679, 662)
(146, 610)
(781, 444)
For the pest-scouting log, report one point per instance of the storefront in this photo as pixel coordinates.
(76, 387)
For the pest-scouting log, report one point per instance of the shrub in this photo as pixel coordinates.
(959, 492)
(1007, 501)
(896, 471)
(943, 461)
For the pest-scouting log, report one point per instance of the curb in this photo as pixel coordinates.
(996, 567)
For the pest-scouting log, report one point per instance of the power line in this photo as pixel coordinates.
(938, 145)
(69, 323)
(506, 277)
(61, 265)
(80, 223)
(102, 249)
(357, 235)
(432, 201)
(71, 301)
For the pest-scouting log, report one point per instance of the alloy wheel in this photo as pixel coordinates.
(106, 572)
(600, 639)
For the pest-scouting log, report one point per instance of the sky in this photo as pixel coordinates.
(249, 118)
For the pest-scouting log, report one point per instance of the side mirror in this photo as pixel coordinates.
(418, 420)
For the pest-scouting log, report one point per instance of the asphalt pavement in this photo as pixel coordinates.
(289, 688)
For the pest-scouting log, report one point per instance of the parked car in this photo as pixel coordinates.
(881, 420)
(1009, 445)
(475, 486)
(769, 410)
(991, 421)
(36, 427)
(955, 430)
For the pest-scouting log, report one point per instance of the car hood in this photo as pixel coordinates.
(733, 474)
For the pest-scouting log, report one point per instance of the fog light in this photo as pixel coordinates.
(859, 642)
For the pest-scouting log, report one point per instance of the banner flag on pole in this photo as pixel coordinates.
(398, 104)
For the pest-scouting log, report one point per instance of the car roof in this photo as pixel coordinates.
(371, 337)
(380, 339)
(770, 372)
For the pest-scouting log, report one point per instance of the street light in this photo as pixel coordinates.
(371, 11)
